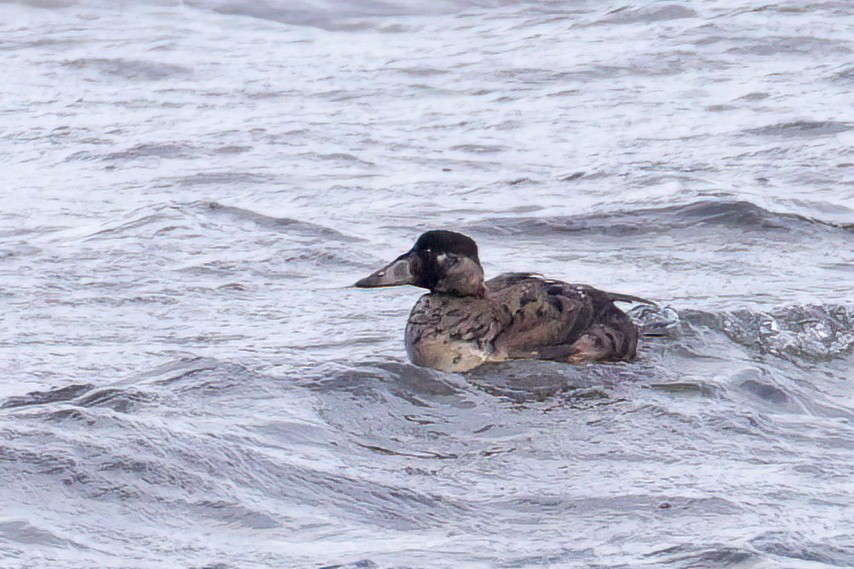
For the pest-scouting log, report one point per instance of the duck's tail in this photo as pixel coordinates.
(618, 297)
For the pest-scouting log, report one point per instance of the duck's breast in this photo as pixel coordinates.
(451, 333)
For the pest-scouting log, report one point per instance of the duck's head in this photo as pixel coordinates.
(441, 261)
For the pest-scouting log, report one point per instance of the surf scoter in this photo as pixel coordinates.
(464, 322)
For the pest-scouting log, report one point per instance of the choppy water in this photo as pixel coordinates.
(188, 189)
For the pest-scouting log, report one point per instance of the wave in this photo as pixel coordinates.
(798, 546)
(139, 70)
(289, 224)
(322, 14)
(204, 217)
(803, 128)
(810, 333)
(709, 213)
(193, 471)
(655, 13)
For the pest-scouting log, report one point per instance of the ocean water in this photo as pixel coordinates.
(187, 379)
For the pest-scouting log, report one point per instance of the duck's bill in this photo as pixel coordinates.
(396, 273)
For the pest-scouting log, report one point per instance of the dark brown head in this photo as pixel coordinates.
(441, 261)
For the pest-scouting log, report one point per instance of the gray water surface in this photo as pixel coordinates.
(189, 189)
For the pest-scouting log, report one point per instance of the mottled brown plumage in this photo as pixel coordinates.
(464, 321)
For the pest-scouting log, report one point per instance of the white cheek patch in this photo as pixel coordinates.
(441, 257)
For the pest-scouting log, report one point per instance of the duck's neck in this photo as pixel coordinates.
(463, 279)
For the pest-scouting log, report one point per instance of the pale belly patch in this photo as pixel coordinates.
(443, 353)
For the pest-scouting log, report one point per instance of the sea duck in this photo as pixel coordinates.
(465, 321)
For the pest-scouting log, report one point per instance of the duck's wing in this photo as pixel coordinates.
(542, 314)
(555, 320)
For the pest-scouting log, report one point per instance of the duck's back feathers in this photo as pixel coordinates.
(620, 297)
(555, 320)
